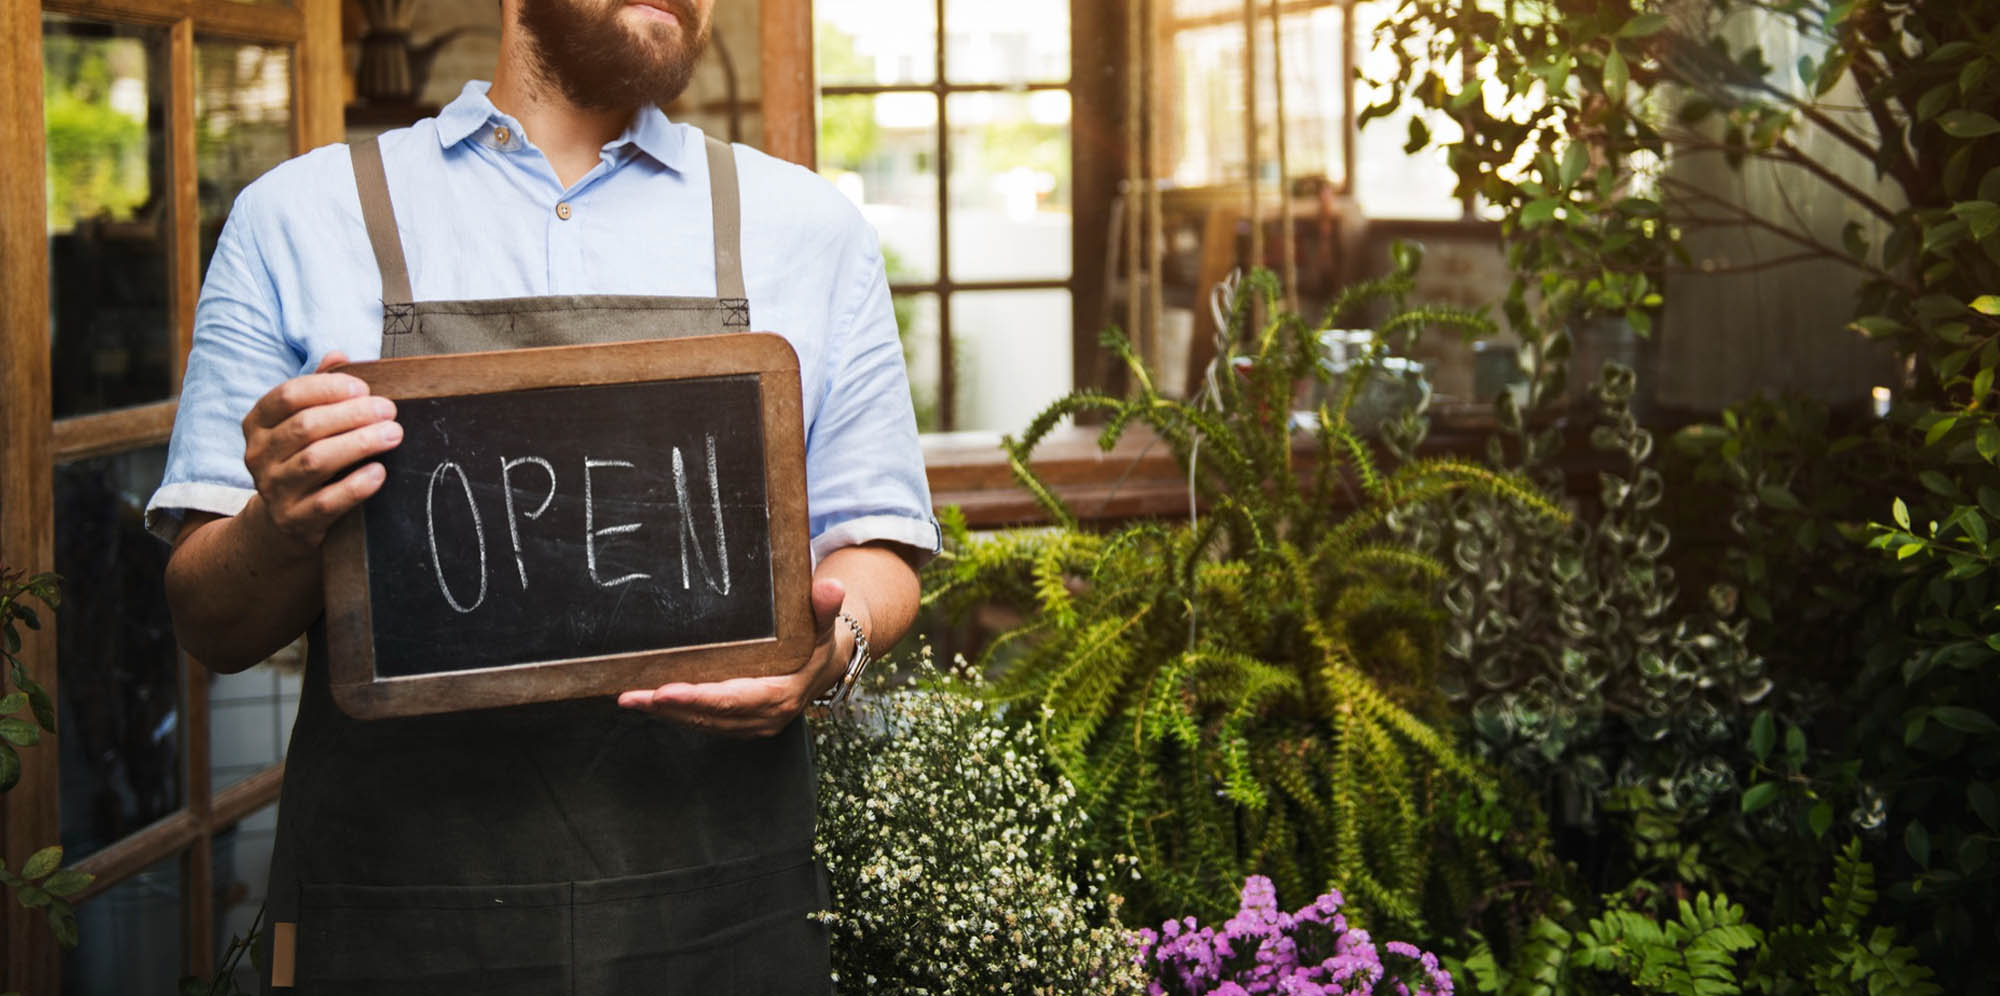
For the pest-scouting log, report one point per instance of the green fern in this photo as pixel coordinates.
(1249, 691)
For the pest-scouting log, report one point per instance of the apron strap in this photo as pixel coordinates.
(372, 182)
(728, 204)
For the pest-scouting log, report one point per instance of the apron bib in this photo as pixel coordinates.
(565, 849)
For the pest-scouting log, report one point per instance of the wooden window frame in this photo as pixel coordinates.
(32, 444)
(943, 286)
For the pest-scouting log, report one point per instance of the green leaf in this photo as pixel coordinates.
(1901, 512)
(13, 702)
(1795, 745)
(1981, 798)
(1965, 720)
(1539, 212)
(1908, 550)
(1616, 76)
(1971, 74)
(1988, 441)
(1760, 795)
(32, 897)
(1982, 384)
(1763, 735)
(64, 927)
(19, 732)
(1820, 819)
(1968, 124)
(1934, 100)
(1643, 25)
(1982, 218)
(1779, 497)
(1877, 326)
(68, 882)
(1987, 304)
(1939, 483)
(1917, 841)
(1575, 159)
(10, 767)
(42, 862)
(38, 699)
(1940, 429)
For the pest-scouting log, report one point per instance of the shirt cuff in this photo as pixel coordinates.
(171, 504)
(922, 536)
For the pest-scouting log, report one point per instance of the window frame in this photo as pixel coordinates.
(943, 287)
(33, 444)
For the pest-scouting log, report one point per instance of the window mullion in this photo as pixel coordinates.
(947, 379)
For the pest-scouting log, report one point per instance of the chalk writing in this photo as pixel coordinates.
(478, 531)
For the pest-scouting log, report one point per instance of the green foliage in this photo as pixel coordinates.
(956, 860)
(96, 152)
(1897, 617)
(40, 883)
(1648, 941)
(1581, 672)
(1244, 692)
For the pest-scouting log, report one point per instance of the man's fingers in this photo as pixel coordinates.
(300, 393)
(331, 360)
(736, 707)
(309, 467)
(319, 422)
(313, 514)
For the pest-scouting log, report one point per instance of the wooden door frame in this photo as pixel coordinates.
(790, 88)
(31, 442)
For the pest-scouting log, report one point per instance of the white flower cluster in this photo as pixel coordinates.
(956, 855)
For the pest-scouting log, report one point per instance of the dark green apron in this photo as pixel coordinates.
(571, 848)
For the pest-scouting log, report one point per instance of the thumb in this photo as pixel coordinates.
(330, 361)
(828, 595)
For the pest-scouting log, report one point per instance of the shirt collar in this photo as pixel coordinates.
(649, 131)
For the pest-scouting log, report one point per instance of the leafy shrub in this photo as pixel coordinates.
(1242, 693)
(1581, 671)
(40, 883)
(956, 861)
(1646, 941)
(1263, 950)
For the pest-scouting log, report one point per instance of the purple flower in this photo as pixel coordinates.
(1258, 954)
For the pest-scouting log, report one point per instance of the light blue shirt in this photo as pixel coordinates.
(293, 278)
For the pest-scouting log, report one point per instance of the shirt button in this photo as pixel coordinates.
(562, 210)
(501, 134)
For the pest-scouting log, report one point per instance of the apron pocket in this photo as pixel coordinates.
(741, 928)
(434, 940)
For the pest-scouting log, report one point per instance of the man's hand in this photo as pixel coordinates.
(302, 433)
(761, 707)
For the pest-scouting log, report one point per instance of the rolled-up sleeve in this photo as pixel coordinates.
(240, 352)
(864, 468)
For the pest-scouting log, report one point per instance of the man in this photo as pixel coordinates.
(658, 844)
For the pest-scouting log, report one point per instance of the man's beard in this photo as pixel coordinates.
(579, 47)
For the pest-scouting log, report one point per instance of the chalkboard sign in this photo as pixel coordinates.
(576, 521)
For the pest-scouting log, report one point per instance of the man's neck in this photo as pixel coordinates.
(572, 137)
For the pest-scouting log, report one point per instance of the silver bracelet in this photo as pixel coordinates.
(844, 688)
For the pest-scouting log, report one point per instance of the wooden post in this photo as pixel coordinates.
(791, 105)
(30, 817)
(322, 82)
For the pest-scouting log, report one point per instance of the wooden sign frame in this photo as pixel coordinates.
(364, 694)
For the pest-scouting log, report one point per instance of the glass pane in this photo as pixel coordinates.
(120, 690)
(1012, 353)
(105, 113)
(917, 318)
(1021, 41)
(875, 42)
(881, 150)
(250, 716)
(243, 124)
(242, 863)
(131, 937)
(1393, 183)
(1010, 185)
(1205, 131)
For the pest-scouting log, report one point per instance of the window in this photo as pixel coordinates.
(153, 115)
(949, 123)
